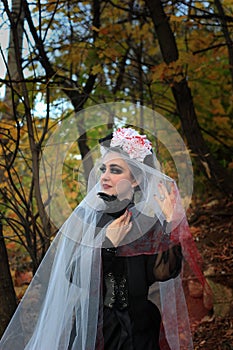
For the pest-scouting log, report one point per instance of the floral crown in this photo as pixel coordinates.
(129, 140)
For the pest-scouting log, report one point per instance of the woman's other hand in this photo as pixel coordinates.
(166, 200)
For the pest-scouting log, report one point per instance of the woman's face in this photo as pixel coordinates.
(116, 178)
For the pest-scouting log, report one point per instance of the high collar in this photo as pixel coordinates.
(114, 206)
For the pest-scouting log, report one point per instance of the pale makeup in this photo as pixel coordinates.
(116, 178)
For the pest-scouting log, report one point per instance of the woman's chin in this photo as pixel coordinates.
(110, 192)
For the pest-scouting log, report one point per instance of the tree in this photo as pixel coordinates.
(7, 292)
(184, 101)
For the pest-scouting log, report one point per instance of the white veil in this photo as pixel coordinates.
(62, 309)
(65, 293)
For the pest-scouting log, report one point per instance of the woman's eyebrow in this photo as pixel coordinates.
(116, 165)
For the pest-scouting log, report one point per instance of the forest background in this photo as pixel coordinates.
(175, 57)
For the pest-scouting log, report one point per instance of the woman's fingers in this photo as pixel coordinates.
(128, 216)
(125, 218)
(163, 191)
(118, 229)
(122, 221)
(163, 194)
(173, 193)
(166, 199)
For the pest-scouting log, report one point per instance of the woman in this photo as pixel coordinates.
(92, 289)
(130, 320)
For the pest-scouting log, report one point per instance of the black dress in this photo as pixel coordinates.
(130, 320)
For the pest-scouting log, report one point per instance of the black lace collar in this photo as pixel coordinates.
(114, 206)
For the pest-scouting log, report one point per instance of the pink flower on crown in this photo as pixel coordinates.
(137, 146)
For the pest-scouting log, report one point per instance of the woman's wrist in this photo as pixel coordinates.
(167, 226)
(113, 243)
(168, 218)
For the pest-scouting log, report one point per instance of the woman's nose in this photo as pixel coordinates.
(105, 175)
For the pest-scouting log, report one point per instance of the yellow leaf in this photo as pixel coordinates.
(177, 18)
(97, 69)
(95, 29)
(4, 107)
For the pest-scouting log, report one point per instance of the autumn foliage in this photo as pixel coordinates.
(75, 54)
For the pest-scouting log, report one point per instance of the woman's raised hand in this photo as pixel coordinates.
(166, 200)
(118, 229)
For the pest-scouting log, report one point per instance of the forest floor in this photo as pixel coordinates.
(212, 227)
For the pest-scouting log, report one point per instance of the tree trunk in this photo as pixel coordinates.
(17, 23)
(208, 164)
(227, 36)
(7, 294)
(216, 174)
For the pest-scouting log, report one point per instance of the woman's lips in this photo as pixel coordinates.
(106, 187)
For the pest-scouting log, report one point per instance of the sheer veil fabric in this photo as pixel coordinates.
(66, 289)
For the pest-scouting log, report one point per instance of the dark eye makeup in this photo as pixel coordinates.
(102, 168)
(114, 169)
